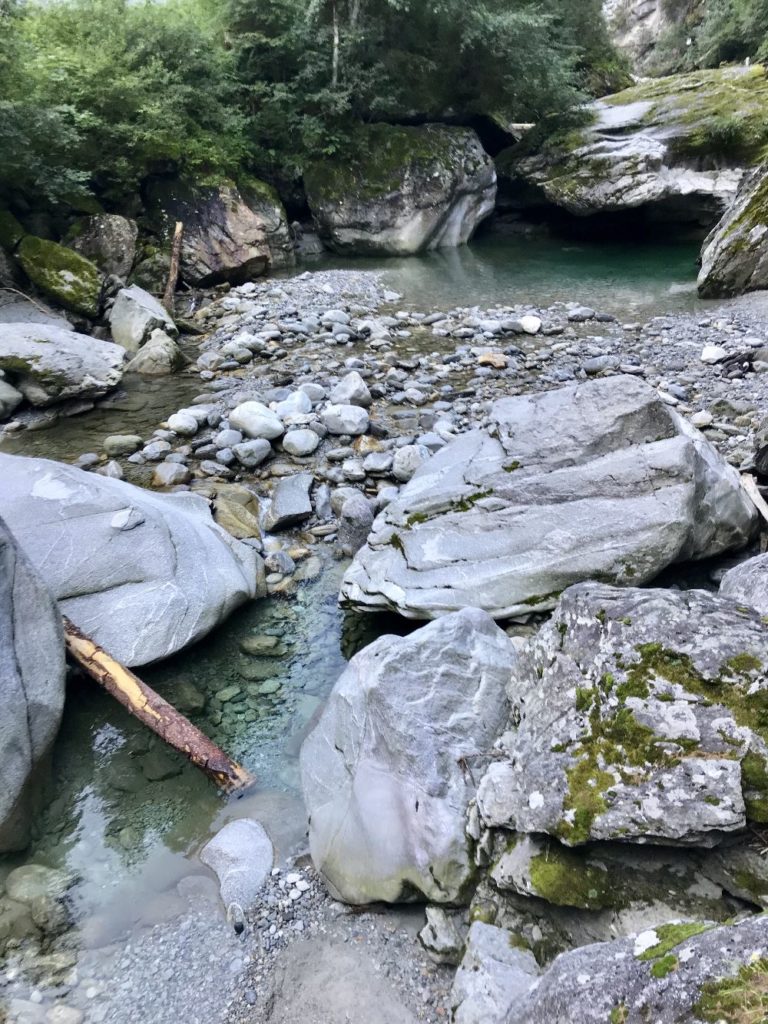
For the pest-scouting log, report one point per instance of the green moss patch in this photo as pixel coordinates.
(69, 278)
(671, 936)
(563, 878)
(739, 1000)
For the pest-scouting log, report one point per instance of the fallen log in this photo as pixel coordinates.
(156, 713)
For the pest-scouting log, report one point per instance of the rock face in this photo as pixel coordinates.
(682, 972)
(48, 364)
(109, 241)
(409, 189)
(143, 574)
(638, 718)
(67, 277)
(734, 258)
(638, 25)
(231, 233)
(597, 480)
(135, 315)
(383, 773)
(32, 678)
(653, 146)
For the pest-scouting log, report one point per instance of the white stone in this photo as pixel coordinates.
(345, 419)
(255, 420)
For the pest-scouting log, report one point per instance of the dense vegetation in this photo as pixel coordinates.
(707, 33)
(95, 95)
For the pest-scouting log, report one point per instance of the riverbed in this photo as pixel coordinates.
(123, 815)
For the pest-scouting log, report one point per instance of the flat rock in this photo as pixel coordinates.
(382, 771)
(598, 479)
(291, 503)
(747, 583)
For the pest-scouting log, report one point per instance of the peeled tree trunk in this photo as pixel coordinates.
(156, 713)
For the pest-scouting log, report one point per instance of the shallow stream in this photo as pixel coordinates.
(125, 816)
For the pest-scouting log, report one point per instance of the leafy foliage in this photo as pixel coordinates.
(96, 95)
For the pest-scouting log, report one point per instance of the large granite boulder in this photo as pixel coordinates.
(231, 232)
(638, 715)
(408, 189)
(49, 364)
(143, 574)
(66, 276)
(493, 978)
(598, 480)
(734, 258)
(663, 145)
(32, 677)
(389, 770)
(135, 315)
(108, 240)
(678, 973)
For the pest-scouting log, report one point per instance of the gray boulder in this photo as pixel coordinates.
(256, 420)
(734, 257)
(352, 390)
(10, 399)
(388, 771)
(48, 364)
(747, 583)
(108, 240)
(231, 233)
(651, 146)
(493, 979)
(408, 189)
(636, 717)
(144, 574)
(242, 857)
(32, 678)
(355, 523)
(135, 315)
(291, 503)
(158, 357)
(681, 972)
(16, 308)
(597, 480)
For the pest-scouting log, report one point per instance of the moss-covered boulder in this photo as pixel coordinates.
(67, 277)
(686, 972)
(11, 232)
(734, 257)
(676, 147)
(640, 715)
(405, 190)
(232, 232)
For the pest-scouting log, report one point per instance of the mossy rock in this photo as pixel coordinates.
(11, 232)
(67, 277)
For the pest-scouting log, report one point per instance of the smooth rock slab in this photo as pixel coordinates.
(32, 680)
(143, 574)
(382, 771)
(598, 479)
(242, 857)
(48, 364)
(637, 716)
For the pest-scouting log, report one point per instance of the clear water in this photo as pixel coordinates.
(620, 278)
(127, 816)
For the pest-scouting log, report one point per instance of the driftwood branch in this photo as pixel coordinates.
(173, 273)
(156, 713)
(749, 484)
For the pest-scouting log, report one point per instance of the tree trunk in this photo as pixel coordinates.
(354, 14)
(173, 274)
(336, 44)
(156, 713)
